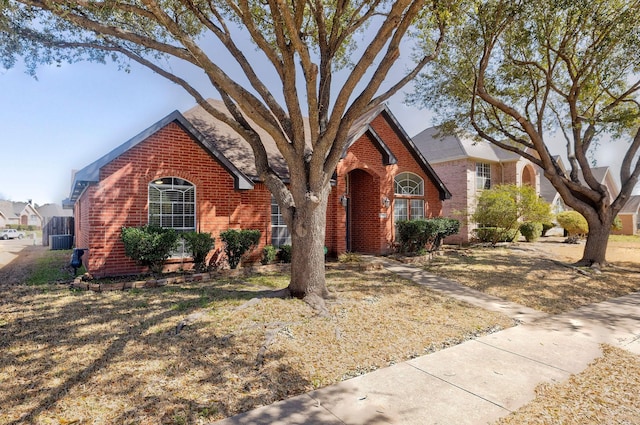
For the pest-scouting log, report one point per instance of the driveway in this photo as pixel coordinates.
(11, 248)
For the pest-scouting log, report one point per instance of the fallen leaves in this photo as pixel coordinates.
(114, 357)
(604, 393)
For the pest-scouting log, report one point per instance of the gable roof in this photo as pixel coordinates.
(362, 126)
(239, 152)
(418, 155)
(91, 173)
(603, 176)
(235, 153)
(53, 210)
(6, 209)
(440, 147)
(10, 209)
(632, 206)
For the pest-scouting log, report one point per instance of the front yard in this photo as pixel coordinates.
(539, 275)
(116, 357)
(196, 352)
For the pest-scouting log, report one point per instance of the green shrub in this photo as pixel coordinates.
(531, 230)
(199, 244)
(444, 227)
(415, 236)
(149, 245)
(269, 253)
(237, 243)
(546, 226)
(412, 235)
(503, 207)
(496, 234)
(284, 255)
(617, 224)
(573, 222)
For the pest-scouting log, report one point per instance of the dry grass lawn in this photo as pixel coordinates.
(76, 357)
(539, 274)
(604, 393)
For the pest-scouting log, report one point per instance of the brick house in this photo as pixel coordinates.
(630, 217)
(192, 172)
(467, 166)
(19, 214)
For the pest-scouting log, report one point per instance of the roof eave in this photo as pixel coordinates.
(91, 173)
(442, 189)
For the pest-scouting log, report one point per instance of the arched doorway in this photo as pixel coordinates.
(363, 223)
(528, 176)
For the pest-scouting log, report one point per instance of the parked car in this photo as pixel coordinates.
(11, 234)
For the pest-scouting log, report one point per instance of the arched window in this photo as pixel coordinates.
(409, 184)
(409, 197)
(172, 204)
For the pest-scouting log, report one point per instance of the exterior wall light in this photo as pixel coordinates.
(386, 202)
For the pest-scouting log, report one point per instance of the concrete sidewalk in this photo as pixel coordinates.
(475, 382)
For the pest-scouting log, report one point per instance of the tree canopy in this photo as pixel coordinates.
(521, 72)
(301, 70)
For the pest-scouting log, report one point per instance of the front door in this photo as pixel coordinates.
(363, 223)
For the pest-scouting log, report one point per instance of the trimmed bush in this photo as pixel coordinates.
(444, 227)
(199, 244)
(237, 243)
(531, 230)
(269, 253)
(415, 236)
(149, 245)
(284, 255)
(546, 226)
(573, 222)
(496, 234)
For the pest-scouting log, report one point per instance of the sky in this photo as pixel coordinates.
(73, 114)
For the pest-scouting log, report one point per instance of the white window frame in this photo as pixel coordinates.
(279, 231)
(176, 202)
(183, 193)
(483, 176)
(409, 203)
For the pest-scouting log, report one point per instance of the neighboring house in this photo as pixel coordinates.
(467, 166)
(192, 172)
(19, 214)
(629, 213)
(57, 222)
(549, 193)
(48, 211)
(630, 217)
(603, 176)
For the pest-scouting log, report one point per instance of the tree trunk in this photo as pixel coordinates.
(595, 249)
(307, 254)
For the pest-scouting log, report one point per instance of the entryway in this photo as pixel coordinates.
(363, 223)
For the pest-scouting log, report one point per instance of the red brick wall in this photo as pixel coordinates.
(373, 219)
(120, 198)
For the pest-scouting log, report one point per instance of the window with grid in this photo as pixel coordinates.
(279, 231)
(409, 184)
(172, 204)
(409, 197)
(483, 176)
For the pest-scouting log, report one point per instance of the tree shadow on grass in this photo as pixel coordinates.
(59, 344)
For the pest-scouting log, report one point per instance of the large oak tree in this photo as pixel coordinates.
(333, 61)
(520, 72)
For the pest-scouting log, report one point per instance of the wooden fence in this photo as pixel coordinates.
(57, 226)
